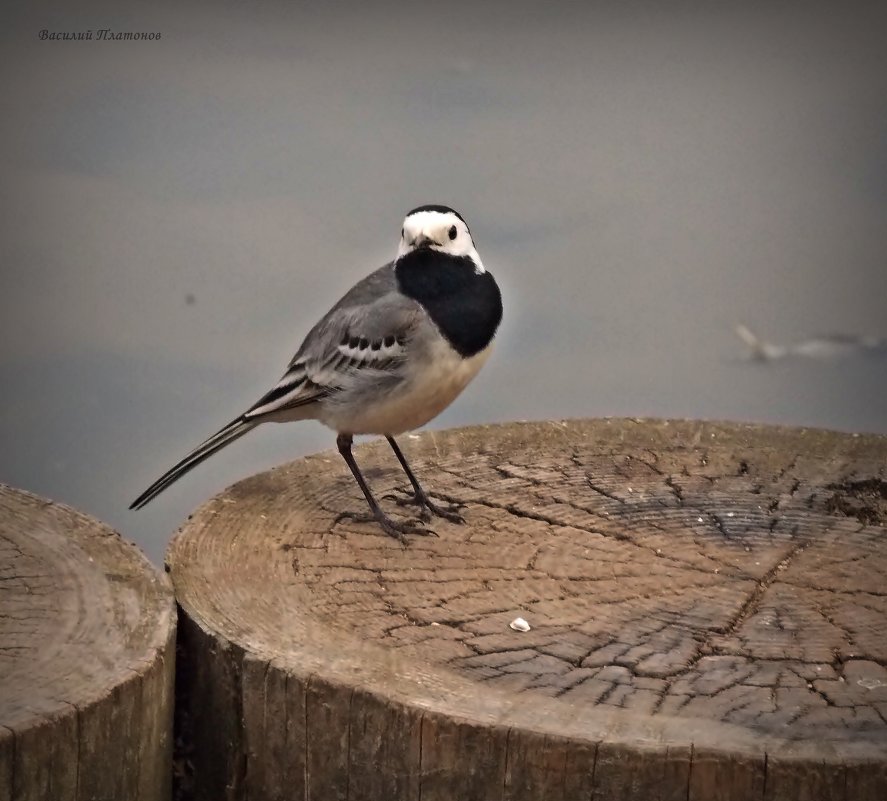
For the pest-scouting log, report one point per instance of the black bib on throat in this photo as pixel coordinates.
(465, 305)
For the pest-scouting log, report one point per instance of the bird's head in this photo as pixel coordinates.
(437, 228)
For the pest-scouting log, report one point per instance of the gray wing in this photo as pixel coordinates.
(363, 337)
(361, 341)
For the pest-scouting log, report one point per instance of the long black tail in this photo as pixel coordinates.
(234, 430)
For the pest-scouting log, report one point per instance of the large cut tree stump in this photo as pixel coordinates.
(87, 643)
(707, 607)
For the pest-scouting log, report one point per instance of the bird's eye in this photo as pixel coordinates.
(402, 233)
(452, 232)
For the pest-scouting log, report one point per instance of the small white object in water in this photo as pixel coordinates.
(519, 624)
(822, 347)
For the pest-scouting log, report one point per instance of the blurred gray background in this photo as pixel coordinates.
(640, 177)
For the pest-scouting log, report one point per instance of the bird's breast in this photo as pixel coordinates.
(430, 386)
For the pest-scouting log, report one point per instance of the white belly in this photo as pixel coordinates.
(415, 402)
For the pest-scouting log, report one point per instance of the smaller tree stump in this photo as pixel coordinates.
(707, 607)
(87, 645)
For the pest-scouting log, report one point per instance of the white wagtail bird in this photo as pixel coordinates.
(391, 355)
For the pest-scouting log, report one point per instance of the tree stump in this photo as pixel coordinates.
(707, 607)
(87, 639)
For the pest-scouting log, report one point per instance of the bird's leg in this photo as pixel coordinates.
(389, 526)
(420, 497)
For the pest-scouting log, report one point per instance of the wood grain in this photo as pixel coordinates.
(87, 632)
(707, 606)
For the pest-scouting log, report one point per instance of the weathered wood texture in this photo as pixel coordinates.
(87, 639)
(708, 607)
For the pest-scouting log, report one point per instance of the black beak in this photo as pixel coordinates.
(424, 242)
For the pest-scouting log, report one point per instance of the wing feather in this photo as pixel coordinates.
(366, 335)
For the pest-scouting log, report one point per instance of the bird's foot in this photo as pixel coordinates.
(393, 528)
(427, 507)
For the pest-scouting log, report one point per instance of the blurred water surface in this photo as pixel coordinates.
(640, 177)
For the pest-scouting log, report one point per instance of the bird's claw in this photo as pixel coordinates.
(393, 528)
(427, 507)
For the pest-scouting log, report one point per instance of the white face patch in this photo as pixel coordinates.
(441, 231)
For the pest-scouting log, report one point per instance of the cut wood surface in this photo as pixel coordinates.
(707, 607)
(87, 639)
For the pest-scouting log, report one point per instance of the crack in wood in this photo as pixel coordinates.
(754, 599)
